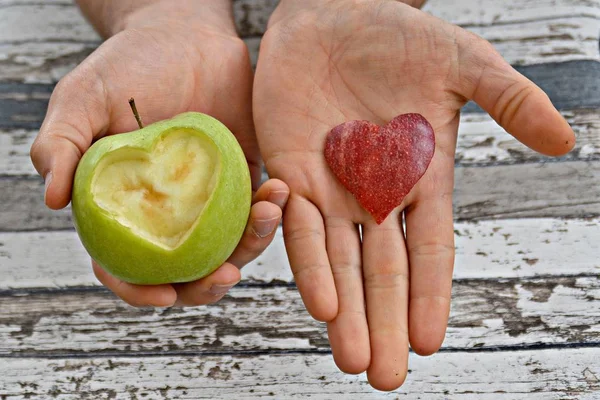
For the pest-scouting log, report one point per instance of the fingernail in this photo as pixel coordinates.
(264, 227)
(278, 197)
(47, 181)
(218, 290)
(161, 304)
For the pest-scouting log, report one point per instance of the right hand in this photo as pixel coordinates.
(169, 65)
(322, 63)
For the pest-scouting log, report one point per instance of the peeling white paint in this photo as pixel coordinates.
(522, 375)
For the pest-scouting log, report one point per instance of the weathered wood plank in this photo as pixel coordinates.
(14, 151)
(486, 249)
(566, 189)
(559, 189)
(481, 141)
(534, 42)
(23, 106)
(579, 90)
(505, 12)
(23, 206)
(485, 314)
(41, 42)
(528, 375)
(44, 40)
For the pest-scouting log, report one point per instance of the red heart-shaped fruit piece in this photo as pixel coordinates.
(380, 165)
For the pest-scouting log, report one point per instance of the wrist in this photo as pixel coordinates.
(109, 17)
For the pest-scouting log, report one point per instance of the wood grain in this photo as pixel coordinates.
(580, 90)
(571, 374)
(565, 190)
(558, 189)
(525, 321)
(481, 141)
(42, 41)
(490, 314)
(251, 16)
(23, 106)
(23, 206)
(484, 250)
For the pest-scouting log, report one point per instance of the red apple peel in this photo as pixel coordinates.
(380, 165)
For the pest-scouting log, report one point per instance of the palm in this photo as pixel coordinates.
(378, 288)
(166, 80)
(338, 76)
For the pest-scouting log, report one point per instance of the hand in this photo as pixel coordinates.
(170, 65)
(326, 62)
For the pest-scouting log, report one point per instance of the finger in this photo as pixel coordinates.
(209, 289)
(274, 191)
(516, 103)
(260, 231)
(304, 237)
(265, 216)
(348, 332)
(76, 112)
(385, 270)
(136, 295)
(430, 245)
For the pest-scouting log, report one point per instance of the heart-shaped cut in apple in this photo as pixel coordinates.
(380, 165)
(163, 204)
(160, 194)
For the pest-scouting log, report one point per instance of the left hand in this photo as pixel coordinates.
(323, 63)
(171, 60)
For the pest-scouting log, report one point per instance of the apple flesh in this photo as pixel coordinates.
(167, 203)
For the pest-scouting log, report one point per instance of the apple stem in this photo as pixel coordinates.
(135, 112)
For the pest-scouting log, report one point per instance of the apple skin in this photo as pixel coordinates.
(215, 235)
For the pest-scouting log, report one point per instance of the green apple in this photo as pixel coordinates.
(163, 204)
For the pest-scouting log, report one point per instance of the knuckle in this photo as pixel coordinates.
(345, 267)
(386, 276)
(69, 82)
(510, 101)
(300, 234)
(308, 269)
(253, 243)
(432, 249)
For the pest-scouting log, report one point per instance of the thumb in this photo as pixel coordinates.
(516, 103)
(75, 113)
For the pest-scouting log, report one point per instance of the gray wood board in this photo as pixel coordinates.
(490, 249)
(486, 315)
(559, 189)
(481, 141)
(570, 85)
(567, 189)
(42, 41)
(571, 374)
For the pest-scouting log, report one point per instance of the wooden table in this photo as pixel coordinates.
(525, 318)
